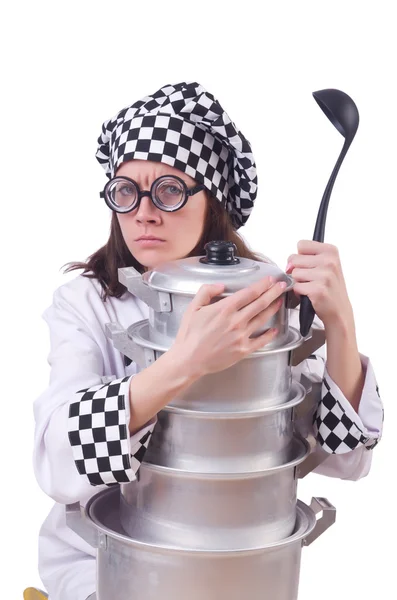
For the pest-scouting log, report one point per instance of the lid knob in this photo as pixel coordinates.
(219, 252)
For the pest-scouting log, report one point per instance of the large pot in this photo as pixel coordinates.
(213, 513)
(250, 440)
(128, 568)
(259, 380)
(213, 510)
(169, 289)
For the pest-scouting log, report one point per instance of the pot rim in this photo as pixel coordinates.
(305, 523)
(252, 414)
(134, 333)
(191, 413)
(173, 275)
(300, 447)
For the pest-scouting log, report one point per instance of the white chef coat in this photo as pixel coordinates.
(82, 357)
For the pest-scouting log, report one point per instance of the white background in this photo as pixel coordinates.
(69, 66)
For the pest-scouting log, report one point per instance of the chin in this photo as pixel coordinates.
(151, 258)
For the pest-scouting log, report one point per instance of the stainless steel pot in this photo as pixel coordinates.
(169, 289)
(130, 568)
(213, 510)
(261, 379)
(251, 440)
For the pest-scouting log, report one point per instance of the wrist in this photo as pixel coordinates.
(182, 368)
(342, 324)
(155, 386)
(340, 335)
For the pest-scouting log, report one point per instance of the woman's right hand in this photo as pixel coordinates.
(213, 337)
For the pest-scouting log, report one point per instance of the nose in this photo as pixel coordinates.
(147, 212)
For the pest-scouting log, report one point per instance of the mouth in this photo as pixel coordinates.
(148, 242)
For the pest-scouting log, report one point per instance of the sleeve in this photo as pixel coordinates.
(98, 433)
(338, 427)
(344, 437)
(81, 420)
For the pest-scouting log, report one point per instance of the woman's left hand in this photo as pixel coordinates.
(317, 272)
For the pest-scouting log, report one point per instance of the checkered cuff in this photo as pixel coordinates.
(338, 428)
(99, 436)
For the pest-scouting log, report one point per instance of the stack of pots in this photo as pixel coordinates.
(213, 514)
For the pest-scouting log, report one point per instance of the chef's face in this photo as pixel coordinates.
(177, 231)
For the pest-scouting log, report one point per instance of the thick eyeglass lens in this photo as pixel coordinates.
(123, 194)
(169, 192)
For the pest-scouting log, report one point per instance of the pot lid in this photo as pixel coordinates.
(219, 265)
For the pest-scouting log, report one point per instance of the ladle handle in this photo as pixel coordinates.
(306, 315)
(307, 312)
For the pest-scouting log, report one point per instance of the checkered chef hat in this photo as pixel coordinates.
(184, 126)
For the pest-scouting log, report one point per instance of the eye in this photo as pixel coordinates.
(172, 189)
(123, 194)
(126, 190)
(169, 192)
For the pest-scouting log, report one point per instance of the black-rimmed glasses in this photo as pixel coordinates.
(168, 193)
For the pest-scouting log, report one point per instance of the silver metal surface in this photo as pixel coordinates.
(187, 275)
(129, 568)
(328, 517)
(142, 355)
(221, 442)
(261, 379)
(185, 509)
(164, 326)
(213, 513)
(303, 419)
(133, 281)
(76, 519)
(135, 343)
(312, 342)
(169, 289)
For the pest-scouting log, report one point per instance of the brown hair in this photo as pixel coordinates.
(105, 262)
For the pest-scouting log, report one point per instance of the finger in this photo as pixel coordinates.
(321, 276)
(304, 289)
(260, 341)
(264, 316)
(313, 274)
(206, 293)
(313, 247)
(262, 303)
(247, 295)
(308, 261)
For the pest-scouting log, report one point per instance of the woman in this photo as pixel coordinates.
(180, 174)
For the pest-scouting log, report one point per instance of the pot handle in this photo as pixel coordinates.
(324, 522)
(312, 342)
(143, 357)
(302, 424)
(312, 384)
(132, 279)
(77, 520)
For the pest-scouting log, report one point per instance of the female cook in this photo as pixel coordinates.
(180, 175)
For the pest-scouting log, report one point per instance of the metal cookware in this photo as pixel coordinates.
(213, 512)
(252, 440)
(129, 568)
(260, 380)
(169, 289)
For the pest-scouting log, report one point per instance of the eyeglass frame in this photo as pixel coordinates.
(141, 193)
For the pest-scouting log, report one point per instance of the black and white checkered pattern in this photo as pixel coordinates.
(138, 451)
(336, 432)
(99, 435)
(184, 126)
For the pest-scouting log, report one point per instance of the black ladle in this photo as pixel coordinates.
(343, 114)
